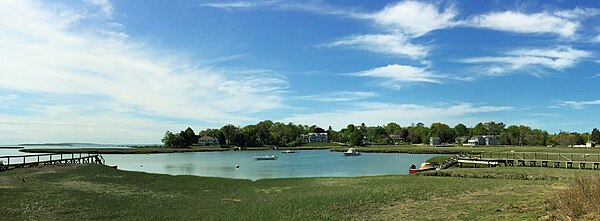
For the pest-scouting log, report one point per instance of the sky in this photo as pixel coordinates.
(126, 71)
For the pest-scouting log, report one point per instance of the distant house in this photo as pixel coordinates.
(315, 138)
(366, 140)
(482, 140)
(588, 145)
(396, 139)
(434, 141)
(208, 141)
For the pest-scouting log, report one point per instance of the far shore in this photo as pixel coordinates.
(410, 149)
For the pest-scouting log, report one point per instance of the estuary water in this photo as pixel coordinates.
(303, 163)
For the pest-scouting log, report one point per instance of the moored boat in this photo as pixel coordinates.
(423, 167)
(288, 151)
(351, 152)
(272, 157)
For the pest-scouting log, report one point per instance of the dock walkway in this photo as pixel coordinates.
(21, 161)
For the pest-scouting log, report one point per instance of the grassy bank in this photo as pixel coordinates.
(99, 192)
(454, 150)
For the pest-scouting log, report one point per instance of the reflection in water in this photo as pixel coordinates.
(307, 163)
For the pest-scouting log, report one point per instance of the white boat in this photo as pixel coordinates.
(288, 151)
(272, 157)
(351, 152)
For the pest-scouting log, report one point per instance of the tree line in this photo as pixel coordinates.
(286, 135)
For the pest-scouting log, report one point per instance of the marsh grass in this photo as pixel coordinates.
(69, 192)
(579, 199)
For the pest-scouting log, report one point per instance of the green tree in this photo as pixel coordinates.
(595, 136)
(168, 139)
(230, 132)
(461, 130)
(479, 129)
(356, 138)
(190, 136)
(443, 131)
(392, 128)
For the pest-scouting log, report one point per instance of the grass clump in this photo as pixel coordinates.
(578, 200)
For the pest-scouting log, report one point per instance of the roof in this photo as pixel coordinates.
(207, 137)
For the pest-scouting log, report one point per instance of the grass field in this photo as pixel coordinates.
(97, 192)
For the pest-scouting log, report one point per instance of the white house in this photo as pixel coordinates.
(208, 141)
(315, 138)
(482, 140)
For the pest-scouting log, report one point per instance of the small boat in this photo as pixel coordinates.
(351, 152)
(272, 157)
(288, 151)
(423, 167)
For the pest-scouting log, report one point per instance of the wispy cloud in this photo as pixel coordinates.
(580, 104)
(396, 75)
(340, 96)
(404, 114)
(595, 76)
(555, 58)
(519, 22)
(240, 4)
(8, 97)
(414, 18)
(43, 53)
(392, 44)
(105, 6)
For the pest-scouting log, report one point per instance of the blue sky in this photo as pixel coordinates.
(125, 71)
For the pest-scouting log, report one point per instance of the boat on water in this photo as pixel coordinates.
(272, 157)
(351, 152)
(288, 151)
(423, 167)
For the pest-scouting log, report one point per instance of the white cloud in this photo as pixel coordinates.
(578, 13)
(8, 97)
(397, 44)
(105, 7)
(415, 18)
(43, 53)
(580, 104)
(396, 73)
(558, 58)
(340, 96)
(595, 76)
(519, 22)
(232, 5)
(404, 114)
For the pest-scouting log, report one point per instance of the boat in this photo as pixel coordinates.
(272, 157)
(351, 152)
(288, 151)
(423, 167)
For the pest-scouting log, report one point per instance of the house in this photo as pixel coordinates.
(482, 140)
(590, 144)
(434, 141)
(315, 138)
(208, 141)
(366, 140)
(586, 145)
(396, 139)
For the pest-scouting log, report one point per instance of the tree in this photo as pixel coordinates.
(168, 139)
(443, 131)
(461, 130)
(191, 137)
(230, 132)
(479, 129)
(392, 128)
(356, 138)
(318, 130)
(595, 136)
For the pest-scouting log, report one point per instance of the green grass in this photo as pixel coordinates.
(97, 192)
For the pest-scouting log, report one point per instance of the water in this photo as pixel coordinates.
(305, 163)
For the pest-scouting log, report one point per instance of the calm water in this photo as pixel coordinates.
(306, 163)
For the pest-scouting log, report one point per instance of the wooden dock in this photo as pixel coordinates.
(533, 159)
(22, 161)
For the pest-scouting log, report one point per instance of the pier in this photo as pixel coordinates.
(534, 159)
(22, 161)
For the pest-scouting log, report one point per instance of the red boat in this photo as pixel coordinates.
(423, 167)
